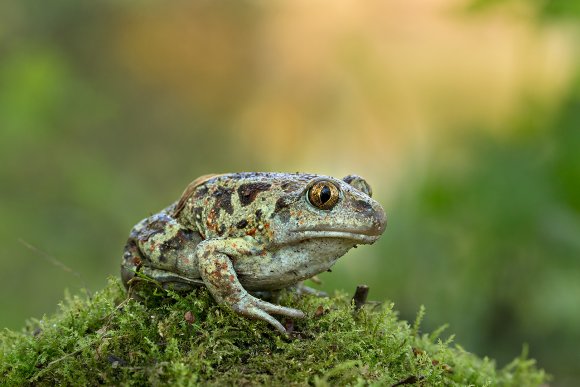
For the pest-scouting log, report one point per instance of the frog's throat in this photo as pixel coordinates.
(357, 236)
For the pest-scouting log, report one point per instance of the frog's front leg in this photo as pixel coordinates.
(217, 271)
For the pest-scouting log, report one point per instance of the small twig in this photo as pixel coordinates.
(49, 258)
(49, 365)
(360, 296)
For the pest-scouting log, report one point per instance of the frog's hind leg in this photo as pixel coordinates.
(168, 280)
(133, 272)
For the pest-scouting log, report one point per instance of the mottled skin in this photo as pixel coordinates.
(253, 232)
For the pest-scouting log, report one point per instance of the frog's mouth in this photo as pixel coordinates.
(357, 236)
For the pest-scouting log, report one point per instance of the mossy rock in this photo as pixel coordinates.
(108, 339)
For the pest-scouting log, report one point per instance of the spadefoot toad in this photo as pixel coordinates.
(241, 234)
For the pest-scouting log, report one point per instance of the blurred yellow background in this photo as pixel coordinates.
(463, 116)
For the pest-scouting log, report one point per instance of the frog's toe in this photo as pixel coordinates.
(277, 309)
(258, 313)
(254, 307)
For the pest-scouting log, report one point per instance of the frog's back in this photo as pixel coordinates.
(237, 204)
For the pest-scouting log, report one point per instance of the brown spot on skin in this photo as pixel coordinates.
(153, 227)
(157, 225)
(136, 261)
(281, 209)
(362, 206)
(186, 235)
(248, 192)
(211, 219)
(223, 199)
(176, 242)
(242, 223)
(197, 213)
(216, 275)
(211, 226)
(281, 203)
(200, 192)
(288, 186)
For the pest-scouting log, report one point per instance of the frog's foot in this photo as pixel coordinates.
(253, 307)
(217, 271)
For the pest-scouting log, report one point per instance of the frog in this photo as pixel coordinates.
(249, 234)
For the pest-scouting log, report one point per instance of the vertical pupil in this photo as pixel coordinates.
(325, 194)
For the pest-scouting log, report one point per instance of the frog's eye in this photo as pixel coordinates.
(323, 195)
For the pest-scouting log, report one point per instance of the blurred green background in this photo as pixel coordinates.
(463, 116)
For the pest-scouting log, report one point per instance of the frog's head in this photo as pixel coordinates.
(339, 211)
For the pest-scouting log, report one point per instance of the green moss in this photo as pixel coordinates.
(108, 339)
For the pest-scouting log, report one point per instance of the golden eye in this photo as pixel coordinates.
(323, 195)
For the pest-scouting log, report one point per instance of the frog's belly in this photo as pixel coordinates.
(290, 264)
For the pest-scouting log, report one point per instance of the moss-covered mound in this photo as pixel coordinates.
(188, 340)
